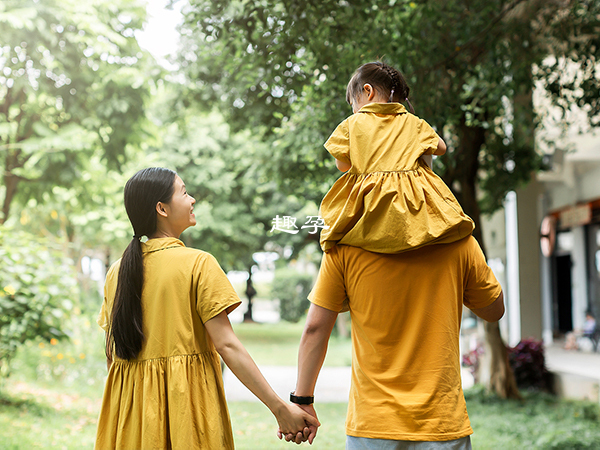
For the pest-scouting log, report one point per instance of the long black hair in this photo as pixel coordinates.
(142, 192)
(385, 79)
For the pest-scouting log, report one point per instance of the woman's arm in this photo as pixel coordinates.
(290, 418)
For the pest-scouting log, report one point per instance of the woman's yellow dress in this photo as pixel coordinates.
(389, 201)
(171, 395)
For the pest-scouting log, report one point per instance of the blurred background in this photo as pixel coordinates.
(238, 97)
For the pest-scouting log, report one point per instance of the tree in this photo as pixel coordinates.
(70, 83)
(236, 201)
(282, 66)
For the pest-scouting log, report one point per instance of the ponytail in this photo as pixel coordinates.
(142, 192)
(126, 331)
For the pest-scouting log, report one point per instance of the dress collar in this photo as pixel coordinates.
(154, 245)
(383, 108)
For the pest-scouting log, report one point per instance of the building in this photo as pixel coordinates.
(544, 245)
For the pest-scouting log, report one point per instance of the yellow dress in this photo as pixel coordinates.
(389, 201)
(171, 395)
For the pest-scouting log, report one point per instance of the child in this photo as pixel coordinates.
(389, 200)
(165, 312)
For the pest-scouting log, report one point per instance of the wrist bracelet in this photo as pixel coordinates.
(301, 400)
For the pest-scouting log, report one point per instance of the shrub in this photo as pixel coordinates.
(292, 288)
(529, 365)
(38, 287)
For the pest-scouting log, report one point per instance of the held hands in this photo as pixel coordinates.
(310, 430)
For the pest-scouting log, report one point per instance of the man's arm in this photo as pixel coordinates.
(311, 354)
(313, 348)
(493, 312)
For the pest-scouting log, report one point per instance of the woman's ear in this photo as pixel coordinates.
(160, 209)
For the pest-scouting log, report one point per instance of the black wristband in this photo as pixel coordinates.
(301, 400)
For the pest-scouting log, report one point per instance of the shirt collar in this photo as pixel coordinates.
(154, 245)
(383, 108)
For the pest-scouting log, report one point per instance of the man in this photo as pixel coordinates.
(406, 311)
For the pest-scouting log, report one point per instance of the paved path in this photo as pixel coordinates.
(583, 363)
(333, 383)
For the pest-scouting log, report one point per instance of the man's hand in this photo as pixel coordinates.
(310, 432)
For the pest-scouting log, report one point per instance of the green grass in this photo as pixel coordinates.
(539, 421)
(255, 428)
(277, 344)
(32, 417)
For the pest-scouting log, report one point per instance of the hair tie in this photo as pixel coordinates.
(136, 236)
(391, 96)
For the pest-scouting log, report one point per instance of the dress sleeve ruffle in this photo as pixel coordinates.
(215, 293)
(428, 139)
(338, 143)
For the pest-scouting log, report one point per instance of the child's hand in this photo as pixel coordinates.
(296, 424)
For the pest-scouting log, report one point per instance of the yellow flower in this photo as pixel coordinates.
(54, 215)
(9, 290)
(53, 341)
(60, 356)
(82, 356)
(72, 360)
(41, 345)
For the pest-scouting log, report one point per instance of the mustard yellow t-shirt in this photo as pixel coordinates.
(171, 395)
(389, 201)
(406, 313)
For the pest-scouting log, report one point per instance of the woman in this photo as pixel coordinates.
(165, 312)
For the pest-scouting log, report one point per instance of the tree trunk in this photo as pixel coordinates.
(496, 374)
(501, 377)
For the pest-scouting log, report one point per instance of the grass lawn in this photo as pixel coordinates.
(277, 344)
(52, 401)
(540, 421)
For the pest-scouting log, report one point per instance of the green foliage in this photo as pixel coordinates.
(292, 289)
(38, 290)
(469, 64)
(72, 81)
(236, 199)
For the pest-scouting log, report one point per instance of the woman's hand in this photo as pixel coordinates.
(296, 424)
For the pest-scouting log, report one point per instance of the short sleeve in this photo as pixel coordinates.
(102, 319)
(110, 287)
(329, 290)
(482, 287)
(338, 143)
(215, 293)
(428, 139)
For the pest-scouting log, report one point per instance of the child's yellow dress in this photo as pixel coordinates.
(389, 201)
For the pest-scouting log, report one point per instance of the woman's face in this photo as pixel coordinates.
(180, 210)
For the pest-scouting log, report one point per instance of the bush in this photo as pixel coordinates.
(529, 365)
(38, 287)
(292, 289)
